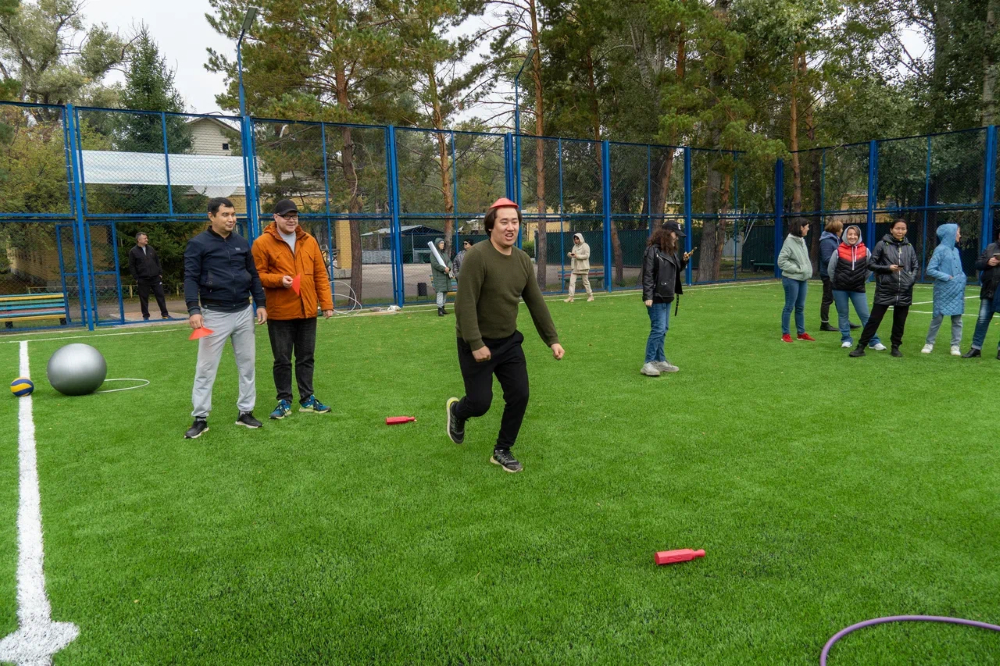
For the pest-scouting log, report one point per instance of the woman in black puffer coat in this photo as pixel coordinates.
(894, 262)
(662, 265)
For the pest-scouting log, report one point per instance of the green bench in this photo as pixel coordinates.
(31, 307)
(596, 277)
(761, 265)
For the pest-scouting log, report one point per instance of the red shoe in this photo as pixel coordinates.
(806, 337)
(786, 338)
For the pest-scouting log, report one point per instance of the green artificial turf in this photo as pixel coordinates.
(825, 490)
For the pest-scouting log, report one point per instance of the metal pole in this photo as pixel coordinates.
(395, 230)
(606, 205)
(687, 211)
(247, 22)
(82, 240)
(986, 235)
(517, 134)
(166, 161)
(779, 212)
(326, 191)
(454, 196)
(927, 195)
(872, 190)
(562, 229)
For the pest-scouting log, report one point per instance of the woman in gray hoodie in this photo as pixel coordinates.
(796, 269)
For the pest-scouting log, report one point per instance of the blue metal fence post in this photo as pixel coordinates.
(508, 158)
(250, 159)
(326, 194)
(927, 202)
(399, 286)
(166, 162)
(986, 236)
(606, 206)
(872, 190)
(687, 211)
(82, 238)
(562, 229)
(71, 187)
(779, 212)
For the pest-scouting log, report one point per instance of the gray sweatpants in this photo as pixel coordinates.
(956, 329)
(239, 327)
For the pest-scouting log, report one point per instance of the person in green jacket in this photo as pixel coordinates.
(441, 275)
(796, 269)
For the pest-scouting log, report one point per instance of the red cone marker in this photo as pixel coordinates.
(674, 556)
(296, 283)
(199, 333)
(396, 420)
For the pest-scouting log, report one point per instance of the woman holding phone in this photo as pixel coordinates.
(796, 269)
(662, 265)
(894, 262)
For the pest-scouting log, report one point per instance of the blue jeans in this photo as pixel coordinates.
(659, 322)
(860, 300)
(795, 297)
(986, 310)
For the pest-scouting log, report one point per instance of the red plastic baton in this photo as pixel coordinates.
(674, 556)
(396, 420)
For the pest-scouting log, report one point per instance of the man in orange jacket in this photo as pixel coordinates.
(285, 254)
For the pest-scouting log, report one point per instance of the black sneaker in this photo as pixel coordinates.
(825, 326)
(854, 326)
(506, 461)
(456, 426)
(199, 427)
(896, 353)
(248, 421)
(440, 312)
(972, 353)
(858, 352)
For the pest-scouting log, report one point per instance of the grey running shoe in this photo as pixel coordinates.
(665, 366)
(456, 426)
(650, 370)
(506, 461)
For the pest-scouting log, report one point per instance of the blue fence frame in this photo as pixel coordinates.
(615, 192)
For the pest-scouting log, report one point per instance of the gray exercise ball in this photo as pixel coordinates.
(76, 369)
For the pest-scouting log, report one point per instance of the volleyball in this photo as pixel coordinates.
(21, 387)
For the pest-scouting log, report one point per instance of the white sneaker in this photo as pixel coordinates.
(955, 351)
(665, 366)
(879, 347)
(568, 300)
(590, 298)
(846, 345)
(927, 349)
(650, 370)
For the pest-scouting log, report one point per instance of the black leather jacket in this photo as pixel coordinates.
(661, 275)
(989, 277)
(894, 287)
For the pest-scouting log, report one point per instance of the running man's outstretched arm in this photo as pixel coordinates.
(539, 311)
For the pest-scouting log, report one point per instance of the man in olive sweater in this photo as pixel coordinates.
(495, 276)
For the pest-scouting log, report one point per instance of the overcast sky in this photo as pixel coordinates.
(183, 34)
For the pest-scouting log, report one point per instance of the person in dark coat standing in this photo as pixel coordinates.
(989, 297)
(829, 243)
(144, 264)
(848, 271)
(662, 266)
(896, 268)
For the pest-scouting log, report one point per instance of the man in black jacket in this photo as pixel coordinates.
(219, 278)
(144, 264)
(989, 298)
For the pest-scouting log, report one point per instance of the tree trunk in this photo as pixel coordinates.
(793, 136)
(443, 164)
(815, 162)
(351, 176)
(665, 165)
(990, 64)
(541, 247)
(710, 259)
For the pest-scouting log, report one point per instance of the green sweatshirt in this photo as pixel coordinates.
(489, 292)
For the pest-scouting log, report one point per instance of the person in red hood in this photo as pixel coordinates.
(848, 271)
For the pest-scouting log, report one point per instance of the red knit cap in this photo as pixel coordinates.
(503, 202)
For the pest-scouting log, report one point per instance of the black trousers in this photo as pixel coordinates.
(298, 336)
(145, 285)
(824, 306)
(899, 313)
(507, 362)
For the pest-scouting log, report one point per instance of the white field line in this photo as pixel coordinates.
(103, 335)
(968, 298)
(38, 637)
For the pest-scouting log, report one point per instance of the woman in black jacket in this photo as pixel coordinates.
(662, 266)
(894, 262)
